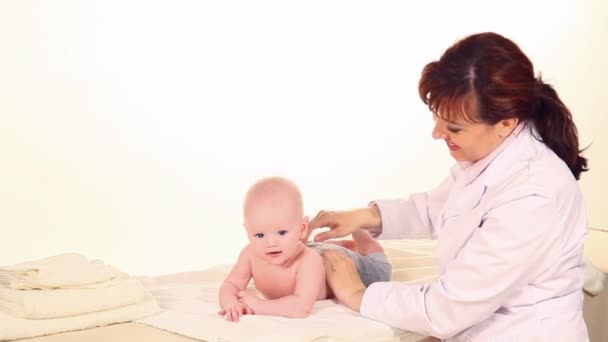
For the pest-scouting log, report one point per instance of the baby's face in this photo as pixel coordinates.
(275, 239)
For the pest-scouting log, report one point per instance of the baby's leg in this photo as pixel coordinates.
(365, 244)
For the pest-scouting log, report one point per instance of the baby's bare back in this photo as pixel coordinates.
(274, 281)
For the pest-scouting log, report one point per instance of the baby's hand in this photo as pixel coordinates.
(233, 312)
(249, 299)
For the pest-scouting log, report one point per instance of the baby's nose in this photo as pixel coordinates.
(271, 241)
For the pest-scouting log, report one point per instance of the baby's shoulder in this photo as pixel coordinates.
(245, 254)
(246, 249)
(311, 264)
(310, 256)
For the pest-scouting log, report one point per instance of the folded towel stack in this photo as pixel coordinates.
(67, 292)
(60, 272)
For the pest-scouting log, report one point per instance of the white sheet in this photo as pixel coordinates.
(189, 307)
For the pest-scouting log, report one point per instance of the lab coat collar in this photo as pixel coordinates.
(471, 171)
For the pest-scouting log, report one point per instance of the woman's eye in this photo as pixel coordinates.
(259, 235)
(453, 130)
(282, 232)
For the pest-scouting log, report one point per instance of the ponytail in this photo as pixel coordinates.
(554, 124)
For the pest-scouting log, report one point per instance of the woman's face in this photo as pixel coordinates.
(468, 141)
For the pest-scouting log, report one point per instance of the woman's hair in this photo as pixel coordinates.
(487, 78)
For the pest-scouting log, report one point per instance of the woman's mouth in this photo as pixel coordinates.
(452, 147)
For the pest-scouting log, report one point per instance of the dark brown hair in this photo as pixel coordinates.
(487, 78)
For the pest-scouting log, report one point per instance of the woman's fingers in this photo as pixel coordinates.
(320, 220)
(336, 257)
(342, 223)
(343, 278)
(329, 266)
(340, 269)
(330, 219)
(335, 262)
(330, 234)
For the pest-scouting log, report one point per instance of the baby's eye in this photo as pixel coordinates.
(282, 232)
(259, 235)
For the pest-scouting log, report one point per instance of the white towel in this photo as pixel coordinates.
(594, 279)
(61, 271)
(67, 302)
(189, 307)
(15, 328)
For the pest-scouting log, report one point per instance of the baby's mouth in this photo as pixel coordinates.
(274, 254)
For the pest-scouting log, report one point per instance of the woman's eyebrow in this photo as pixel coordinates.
(448, 121)
(459, 123)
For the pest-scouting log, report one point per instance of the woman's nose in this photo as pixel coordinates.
(438, 131)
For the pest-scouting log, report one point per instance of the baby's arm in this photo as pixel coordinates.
(236, 281)
(310, 277)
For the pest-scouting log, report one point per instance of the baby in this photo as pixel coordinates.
(286, 270)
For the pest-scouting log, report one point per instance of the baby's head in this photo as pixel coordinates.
(274, 219)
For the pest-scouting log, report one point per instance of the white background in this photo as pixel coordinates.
(130, 130)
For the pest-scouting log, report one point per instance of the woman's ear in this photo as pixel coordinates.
(508, 125)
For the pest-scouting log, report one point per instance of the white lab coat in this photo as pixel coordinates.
(510, 231)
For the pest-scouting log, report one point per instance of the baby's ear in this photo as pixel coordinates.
(304, 233)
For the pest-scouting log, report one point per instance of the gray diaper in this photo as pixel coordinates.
(372, 268)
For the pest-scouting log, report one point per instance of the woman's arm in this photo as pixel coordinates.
(387, 219)
(414, 217)
(501, 256)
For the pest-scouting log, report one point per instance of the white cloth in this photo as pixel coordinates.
(594, 279)
(189, 304)
(510, 231)
(68, 270)
(14, 328)
(67, 302)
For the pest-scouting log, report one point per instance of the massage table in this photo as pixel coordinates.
(412, 261)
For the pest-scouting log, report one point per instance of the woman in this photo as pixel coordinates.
(509, 219)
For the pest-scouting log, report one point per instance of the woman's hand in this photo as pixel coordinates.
(343, 279)
(342, 223)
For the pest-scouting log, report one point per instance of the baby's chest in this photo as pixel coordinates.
(274, 282)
